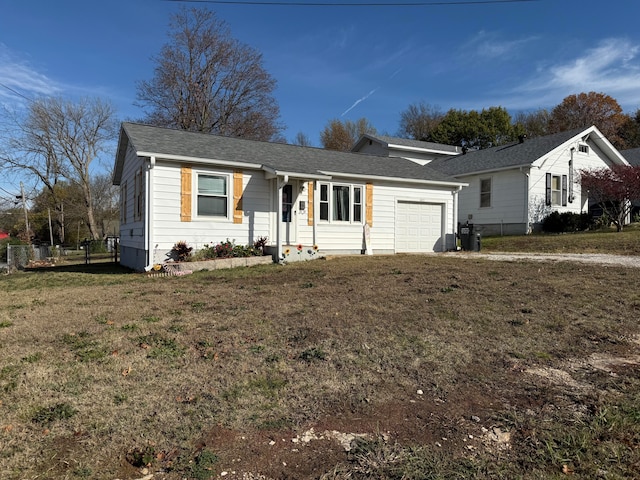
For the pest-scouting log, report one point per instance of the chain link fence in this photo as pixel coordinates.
(19, 256)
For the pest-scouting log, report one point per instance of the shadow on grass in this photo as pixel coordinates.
(102, 268)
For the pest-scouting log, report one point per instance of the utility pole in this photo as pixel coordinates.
(24, 208)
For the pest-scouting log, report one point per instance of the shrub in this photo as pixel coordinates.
(229, 249)
(557, 222)
(181, 251)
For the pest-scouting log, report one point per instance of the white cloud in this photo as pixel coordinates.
(612, 68)
(18, 75)
(487, 45)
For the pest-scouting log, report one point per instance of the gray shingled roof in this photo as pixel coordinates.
(292, 159)
(632, 156)
(511, 155)
(407, 142)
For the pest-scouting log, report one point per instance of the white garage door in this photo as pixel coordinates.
(418, 227)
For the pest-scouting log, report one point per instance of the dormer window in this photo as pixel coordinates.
(582, 148)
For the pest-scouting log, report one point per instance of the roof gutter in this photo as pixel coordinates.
(184, 158)
(439, 183)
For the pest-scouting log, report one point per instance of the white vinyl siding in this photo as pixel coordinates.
(342, 237)
(168, 229)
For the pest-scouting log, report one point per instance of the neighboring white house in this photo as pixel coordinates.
(204, 189)
(513, 187)
(415, 150)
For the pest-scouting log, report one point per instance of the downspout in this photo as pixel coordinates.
(525, 215)
(455, 217)
(280, 185)
(313, 220)
(148, 213)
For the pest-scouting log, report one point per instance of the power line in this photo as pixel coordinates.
(16, 92)
(369, 4)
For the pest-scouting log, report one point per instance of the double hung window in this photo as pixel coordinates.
(556, 190)
(213, 195)
(341, 203)
(485, 192)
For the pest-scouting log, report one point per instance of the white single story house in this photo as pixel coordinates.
(204, 189)
(513, 187)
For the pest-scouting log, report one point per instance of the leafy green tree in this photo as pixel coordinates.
(338, 135)
(472, 129)
(207, 81)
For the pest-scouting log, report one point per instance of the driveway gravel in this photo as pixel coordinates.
(597, 258)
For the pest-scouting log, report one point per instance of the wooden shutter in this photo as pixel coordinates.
(564, 190)
(369, 205)
(310, 202)
(547, 196)
(185, 193)
(237, 196)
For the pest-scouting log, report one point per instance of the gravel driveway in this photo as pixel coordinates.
(597, 258)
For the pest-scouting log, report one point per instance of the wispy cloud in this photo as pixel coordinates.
(489, 45)
(17, 75)
(612, 67)
(360, 100)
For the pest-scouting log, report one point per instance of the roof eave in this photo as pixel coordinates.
(208, 161)
(492, 170)
(271, 172)
(406, 148)
(441, 183)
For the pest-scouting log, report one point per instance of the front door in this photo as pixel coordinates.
(289, 213)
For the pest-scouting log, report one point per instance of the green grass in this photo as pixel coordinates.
(626, 242)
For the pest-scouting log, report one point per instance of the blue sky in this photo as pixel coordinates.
(340, 62)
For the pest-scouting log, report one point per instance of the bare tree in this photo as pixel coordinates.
(206, 81)
(302, 139)
(342, 136)
(419, 120)
(535, 124)
(58, 140)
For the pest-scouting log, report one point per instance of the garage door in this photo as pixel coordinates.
(418, 227)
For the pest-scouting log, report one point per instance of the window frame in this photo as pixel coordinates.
(583, 148)
(138, 195)
(485, 193)
(552, 193)
(123, 202)
(228, 196)
(326, 211)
